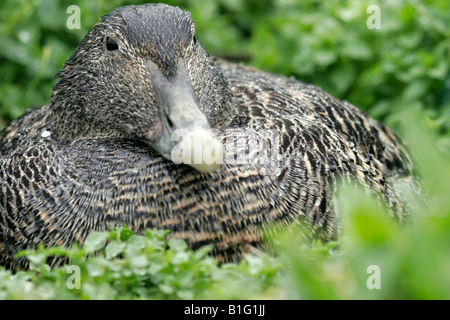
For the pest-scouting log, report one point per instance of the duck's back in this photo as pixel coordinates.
(55, 192)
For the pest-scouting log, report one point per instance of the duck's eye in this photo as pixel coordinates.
(111, 44)
(194, 39)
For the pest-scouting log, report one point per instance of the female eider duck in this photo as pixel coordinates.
(145, 129)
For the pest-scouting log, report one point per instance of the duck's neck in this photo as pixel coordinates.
(68, 119)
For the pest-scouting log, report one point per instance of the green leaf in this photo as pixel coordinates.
(202, 252)
(180, 257)
(125, 234)
(415, 90)
(411, 39)
(95, 241)
(356, 49)
(324, 57)
(138, 261)
(114, 248)
(177, 244)
(37, 259)
(343, 77)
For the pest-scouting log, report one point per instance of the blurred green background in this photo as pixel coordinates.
(398, 74)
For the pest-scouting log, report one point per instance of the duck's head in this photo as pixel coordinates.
(142, 74)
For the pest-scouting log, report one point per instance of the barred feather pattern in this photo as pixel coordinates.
(56, 191)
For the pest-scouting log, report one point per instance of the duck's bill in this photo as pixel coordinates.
(185, 136)
(198, 148)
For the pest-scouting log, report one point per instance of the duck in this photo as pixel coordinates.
(145, 129)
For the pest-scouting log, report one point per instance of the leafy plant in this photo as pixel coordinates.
(121, 265)
(398, 74)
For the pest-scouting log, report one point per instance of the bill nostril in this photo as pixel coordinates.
(169, 122)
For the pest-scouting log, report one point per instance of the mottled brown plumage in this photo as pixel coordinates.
(94, 158)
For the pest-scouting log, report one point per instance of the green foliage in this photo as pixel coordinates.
(398, 74)
(121, 265)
